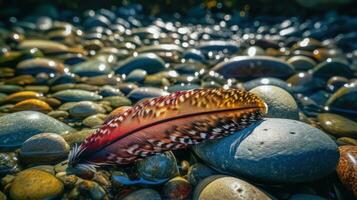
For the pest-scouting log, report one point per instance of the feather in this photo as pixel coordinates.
(167, 123)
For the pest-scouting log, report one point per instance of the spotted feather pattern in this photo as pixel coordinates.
(169, 122)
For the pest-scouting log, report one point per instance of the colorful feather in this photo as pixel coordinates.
(168, 123)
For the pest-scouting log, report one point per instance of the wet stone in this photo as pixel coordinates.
(347, 167)
(338, 125)
(158, 167)
(20, 96)
(156, 80)
(91, 189)
(126, 88)
(37, 88)
(74, 95)
(149, 62)
(146, 92)
(58, 114)
(346, 141)
(17, 127)
(228, 188)
(332, 67)
(8, 89)
(32, 104)
(44, 148)
(181, 87)
(344, 99)
(77, 137)
(301, 63)
(117, 101)
(242, 67)
(107, 91)
(35, 184)
(336, 82)
(84, 109)
(47, 168)
(137, 75)
(91, 68)
(280, 103)
(39, 65)
(177, 188)
(189, 68)
(267, 81)
(94, 120)
(285, 151)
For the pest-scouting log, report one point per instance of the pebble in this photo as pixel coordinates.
(332, 67)
(58, 114)
(146, 92)
(346, 141)
(117, 101)
(94, 120)
(336, 82)
(17, 127)
(182, 86)
(301, 63)
(107, 91)
(347, 167)
(156, 80)
(91, 68)
(77, 137)
(280, 103)
(39, 65)
(177, 188)
(44, 148)
(35, 184)
(126, 88)
(158, 167)
(84, 109)
(338, 125)
(20, 96)
(149, 62)
(46, 46)
(229, 188)
(8, 89)
(37, 88)
(91, 189)
(267, 81)
(274, 150)
(344, 99)
(32, 104)
(241, 67)
(75, 95)
(137, 75)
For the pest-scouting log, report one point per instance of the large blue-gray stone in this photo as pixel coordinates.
(17, 127)
(274, 150)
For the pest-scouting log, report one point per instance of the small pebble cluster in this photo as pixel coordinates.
(63, 74)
